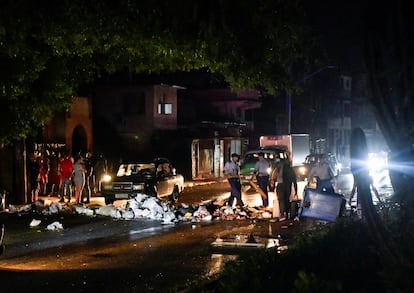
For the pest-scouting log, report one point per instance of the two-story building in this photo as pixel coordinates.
(128, 118)
(196, 129)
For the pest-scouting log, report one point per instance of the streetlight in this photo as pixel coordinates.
(289, 94)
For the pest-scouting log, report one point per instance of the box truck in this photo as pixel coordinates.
(297, 145)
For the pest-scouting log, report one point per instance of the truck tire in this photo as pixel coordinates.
(109, 199)
(175, 194)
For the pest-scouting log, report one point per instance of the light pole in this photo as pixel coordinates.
(289, 94)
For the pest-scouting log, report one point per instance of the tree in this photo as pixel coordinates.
(389, 65)
(47, 52)
(390, 62)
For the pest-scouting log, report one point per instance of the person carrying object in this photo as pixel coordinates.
(323, 172)
(231, 171)
(261, 170)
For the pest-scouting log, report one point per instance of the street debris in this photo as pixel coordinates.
(148, 207)
(35, 223)
(55, 226)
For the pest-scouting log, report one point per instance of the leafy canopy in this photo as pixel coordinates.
(48, 50)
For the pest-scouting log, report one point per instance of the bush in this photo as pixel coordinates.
(338, 257)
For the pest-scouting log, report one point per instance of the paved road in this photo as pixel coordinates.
(102, 253)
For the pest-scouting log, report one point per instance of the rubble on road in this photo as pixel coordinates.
(149, 207)
(55, 226)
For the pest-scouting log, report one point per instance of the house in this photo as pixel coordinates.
(194, 128)
(129, 117)
(71, 129)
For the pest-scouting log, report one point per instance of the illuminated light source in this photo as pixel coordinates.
(302, 170)
(106, 178)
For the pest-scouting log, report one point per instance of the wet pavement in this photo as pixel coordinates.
(170, 260)
(125, 259)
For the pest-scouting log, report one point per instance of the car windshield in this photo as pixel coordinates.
(254, 157)
(311, 159)
(133, 169)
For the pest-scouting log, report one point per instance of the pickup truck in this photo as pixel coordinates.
(156, 178)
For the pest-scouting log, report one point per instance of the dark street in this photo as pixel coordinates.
(102, 253)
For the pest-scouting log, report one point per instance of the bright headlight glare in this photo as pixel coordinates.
(106, 178)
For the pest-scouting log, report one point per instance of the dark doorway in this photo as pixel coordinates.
(79, 140)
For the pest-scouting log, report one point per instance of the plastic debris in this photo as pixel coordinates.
(55, 207)
(55, 226)
(146, 206)
(83, 211)
(35, 223)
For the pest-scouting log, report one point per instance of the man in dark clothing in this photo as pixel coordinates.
(89, 182)
(289, 185)
(33, 169)
(291, 191)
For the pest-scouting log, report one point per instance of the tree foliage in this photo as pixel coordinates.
(48, 50)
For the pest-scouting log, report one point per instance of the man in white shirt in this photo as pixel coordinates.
(261, 170)
(322, 171)
(231, 171)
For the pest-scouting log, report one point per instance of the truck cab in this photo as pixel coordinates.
(273, 154)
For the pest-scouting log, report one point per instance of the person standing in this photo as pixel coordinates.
(100, 168)
(66, 169)
(1, 238)
(231, 171)
(278, 178)
(89, 182)
(33, 169)
(78, 177)
(55, 176)
(43, 174)
(262, 170)
(290, 192)
(323, 172)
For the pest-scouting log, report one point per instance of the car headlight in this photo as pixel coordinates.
(106, 178)
(302, 170)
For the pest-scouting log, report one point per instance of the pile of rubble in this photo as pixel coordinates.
(149, 207)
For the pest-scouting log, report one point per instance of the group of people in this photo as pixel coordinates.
(61, 175)
(283, 178)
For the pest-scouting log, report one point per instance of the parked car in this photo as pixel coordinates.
(312, 159)
(156, 178)
(273, 154)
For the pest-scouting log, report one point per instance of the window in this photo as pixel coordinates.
(163, 107)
